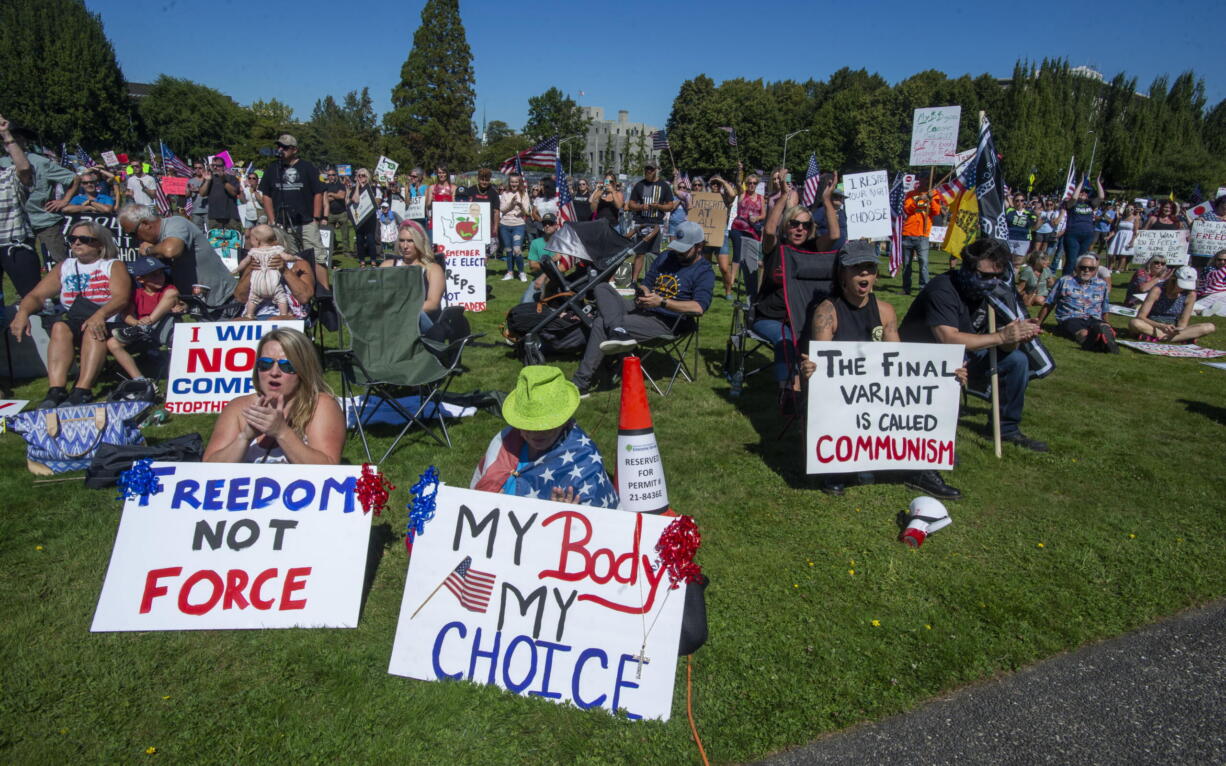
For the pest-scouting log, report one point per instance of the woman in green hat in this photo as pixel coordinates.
(543, 453)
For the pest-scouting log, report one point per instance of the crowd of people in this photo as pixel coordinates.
(1060, 258)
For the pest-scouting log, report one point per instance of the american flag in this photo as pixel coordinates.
(566, 207)
(659, 140)
(160, 199)
(896, 195)
(190, 205)
(950, 190)
(66, 159)
(542, 157)
(1070, 182)
(731, 135)
(155, 161)
(470, 587)
(1198, 196)
(812, 180)
(85, 160)
(174, 165)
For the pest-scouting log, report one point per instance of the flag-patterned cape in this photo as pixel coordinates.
(573, 461)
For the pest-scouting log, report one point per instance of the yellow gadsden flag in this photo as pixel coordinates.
(963, 226)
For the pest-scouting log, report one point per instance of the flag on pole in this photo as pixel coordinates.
(160, 199)
(659, 141)
(470, 587)
(1198, 196)
(1197, 211)
(566, 208)
(66, 158)
(988, 185)
(896, 218)
(155, 161)
(1070, 181)
(812, 181)
(174, 166)
(731, 135)
(950, 190)
(542, 157)
(83, 158)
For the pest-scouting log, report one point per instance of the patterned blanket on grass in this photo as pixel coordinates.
(1188, 350)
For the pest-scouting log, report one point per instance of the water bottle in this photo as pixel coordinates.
(736, 379)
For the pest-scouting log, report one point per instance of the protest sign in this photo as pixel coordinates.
(385, 170)
(909, 182)
(934, 135)
(1208, 237)
(211, 363)
(867, 205)
(126, 244)
(562, 608)
(363, 209)
(1176, 350)
(325, 238)
(937, 235)
(110, 159)
(174, 185)
(12, 406)
(1171, 244)
(415, 208)
(463, 230)
(1221, 192)
(239, 546)
(882, 406)
(398, 208)
(225, 158)
(709, 211)
(344, 170)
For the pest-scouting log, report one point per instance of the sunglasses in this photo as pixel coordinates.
(796, 223)
(75, 238)
(1087, 268)
(265, 363)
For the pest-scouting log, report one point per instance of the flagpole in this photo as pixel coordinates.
(436, 589)
(995, 384)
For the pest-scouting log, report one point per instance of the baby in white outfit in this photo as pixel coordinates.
(267, 283)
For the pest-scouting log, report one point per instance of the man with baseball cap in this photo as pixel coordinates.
(678, 286)
(294, 197)
(651, 200)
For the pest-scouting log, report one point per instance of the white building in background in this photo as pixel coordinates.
(603, 135)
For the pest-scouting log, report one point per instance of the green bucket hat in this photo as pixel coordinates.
(543, 399)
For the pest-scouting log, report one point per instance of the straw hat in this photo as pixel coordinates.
(543, 399)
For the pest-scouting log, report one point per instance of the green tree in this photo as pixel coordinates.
(432, 105)
(554, 113)
(194, 119)
(693, 128)
(268, 119)
(59, 75)
(496, 130)
(343, 133)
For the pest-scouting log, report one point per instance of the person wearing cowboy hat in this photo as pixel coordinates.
(542, 452)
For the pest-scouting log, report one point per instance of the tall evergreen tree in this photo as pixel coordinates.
(432, 106)
(59, 75)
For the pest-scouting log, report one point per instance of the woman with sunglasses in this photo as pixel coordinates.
(1166, 314)
(292, 416)
(94, 286)
(1149, 276)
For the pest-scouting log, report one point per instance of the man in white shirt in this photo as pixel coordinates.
(140, 185)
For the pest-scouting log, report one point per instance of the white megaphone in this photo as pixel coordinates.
(924, 516)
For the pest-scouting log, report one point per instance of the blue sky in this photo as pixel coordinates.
(634, 55)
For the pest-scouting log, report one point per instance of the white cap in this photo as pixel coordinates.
(1186, 278)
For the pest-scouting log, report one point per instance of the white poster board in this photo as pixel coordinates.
(211, 363)
(1208, 237)
(882, 406)
(934, 135)
(555, 603)
(463, 230)
(239, 546)
(385, 170)
(12, 406)
(937, 235)
(415, 208)
(111, 160)
(1172, 244)
(867, 205)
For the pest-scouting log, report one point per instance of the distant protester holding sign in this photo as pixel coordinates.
(920, 206)
(291, 418)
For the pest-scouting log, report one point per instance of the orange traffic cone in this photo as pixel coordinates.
(640, 473)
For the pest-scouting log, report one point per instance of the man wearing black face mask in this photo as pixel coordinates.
(679, 282)
(945, 312)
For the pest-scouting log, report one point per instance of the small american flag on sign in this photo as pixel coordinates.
(470, 587)
(812, 180)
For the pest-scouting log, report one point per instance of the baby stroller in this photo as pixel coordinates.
(561, 319)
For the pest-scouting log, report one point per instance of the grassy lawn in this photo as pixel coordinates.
(819, 618)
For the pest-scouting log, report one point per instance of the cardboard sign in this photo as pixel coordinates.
(239, 546)
(934, 135)
(1208, 237)
(385, 170)
(127, 244)
(937, 235)
(544, 600)
(1172, 244)
(462, 229)
(174, 185)
(882, 406)
(708, 210)
(344, 170)
(867, 205)
(110, 159)
(415, 208)
(211, 363)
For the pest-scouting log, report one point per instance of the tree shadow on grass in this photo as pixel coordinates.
(1211, 411)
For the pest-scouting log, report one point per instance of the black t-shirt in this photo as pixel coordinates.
(1081, 215)
(583, 206)
(293, 189)
(939, 303)
(221, 205)
(647, 192)
(475, 194)
(335, 205)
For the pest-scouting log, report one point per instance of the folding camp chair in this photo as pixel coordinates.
(743, 342)
(379, 309)
(676, 347)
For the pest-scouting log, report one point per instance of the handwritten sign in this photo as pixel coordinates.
(937, 235)
(344, 170)
(1208, 237)
(12, 406)
(1171, 244)
(385, 170)
(231, 546)
(174, 185)
(882, 406)
(554, 601)
(110, 159)
(415, 208)
(127, 244)
(211, 363)
(934, 135)
(462, 229)
(867, 205)
(709, 211)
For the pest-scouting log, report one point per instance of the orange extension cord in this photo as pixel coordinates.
(689, 706)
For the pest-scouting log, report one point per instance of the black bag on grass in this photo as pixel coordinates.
(111, 460)
(694, 617)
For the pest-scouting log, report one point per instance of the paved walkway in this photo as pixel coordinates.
(1155, 696)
